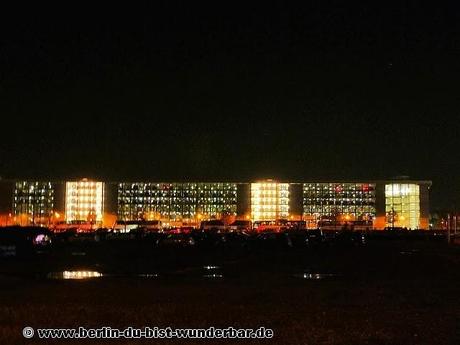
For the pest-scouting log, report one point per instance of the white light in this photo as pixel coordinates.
(81, 197)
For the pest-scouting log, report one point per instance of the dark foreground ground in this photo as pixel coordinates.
(388, 292)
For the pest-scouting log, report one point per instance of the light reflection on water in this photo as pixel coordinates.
(409, 252)
(213, 276)
(314, 276)
(212, 272)
(211, 267)
(78, 253)
(209, 272)
(75, 275)
(85, 274)
(147, 275)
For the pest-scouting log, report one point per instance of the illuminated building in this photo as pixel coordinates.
(382, 203)
(388, 203)
(269, 200)
(33, 202)
(176, 201)
(84, 201)
(339, 201)
(402, 205)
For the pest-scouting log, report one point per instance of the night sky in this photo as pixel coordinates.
(232, 92)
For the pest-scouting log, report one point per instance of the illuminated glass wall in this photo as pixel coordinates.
(176, 201)
(84, 201)
(339, 201)
(33, 202)
(269, 201)
(402, 205)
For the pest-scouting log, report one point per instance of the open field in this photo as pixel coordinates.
(387, 292)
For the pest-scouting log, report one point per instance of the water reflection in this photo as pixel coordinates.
(75, 275)
(213, 276)
(78, 253)
(211, 267)
(212, 272)
(315, 276)
(409, 252)
(147, 275)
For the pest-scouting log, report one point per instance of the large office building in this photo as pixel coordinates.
(387, 203)
(393, 203)
(176, 201)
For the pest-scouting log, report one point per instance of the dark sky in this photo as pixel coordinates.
(238, 92)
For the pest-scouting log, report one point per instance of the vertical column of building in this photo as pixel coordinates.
(425, 205)
(269, 201)
(282, 199)
(84, 201)
(380, 220)
(295, 201)
(243, 200)
(406, 204)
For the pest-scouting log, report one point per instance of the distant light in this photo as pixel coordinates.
(213, 275)
(210, 267)
(75, 275)
(81, 274)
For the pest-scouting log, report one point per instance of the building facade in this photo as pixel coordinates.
(402, 205)
(339, 201)
(269, 201)
(176, 201)
(33, 202)
(392, 203)
(389, 203)
(84, 201)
